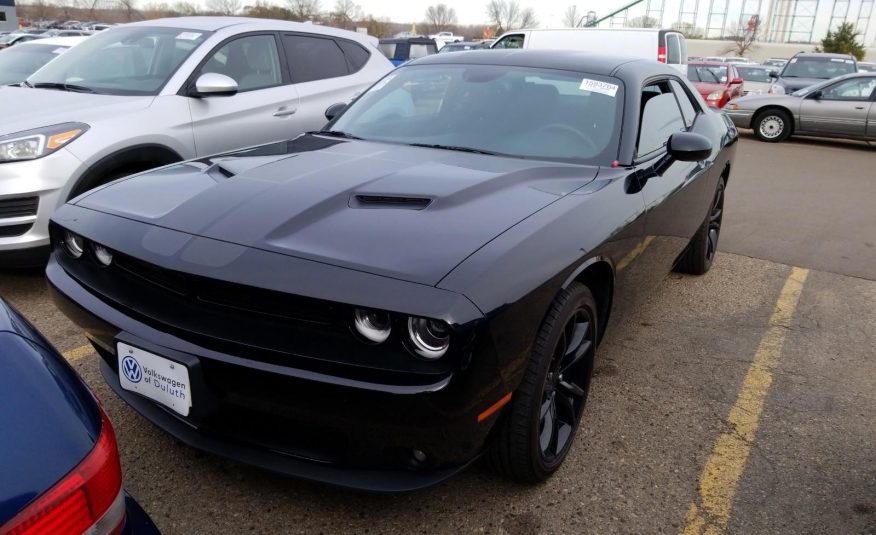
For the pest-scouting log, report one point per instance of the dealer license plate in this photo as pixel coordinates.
(155, 377)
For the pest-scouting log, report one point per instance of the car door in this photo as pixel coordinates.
(323, 70)
(677, 197)
(841, 108)
(264, 108)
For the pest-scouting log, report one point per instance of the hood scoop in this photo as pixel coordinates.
(389, 201)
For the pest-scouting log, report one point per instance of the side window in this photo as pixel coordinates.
(357, 56)
(854, 89)
(253, 62)
(510, 41)
(314, 58)
(688, 108)
(673, 49)
(660, 118)
(421, 50)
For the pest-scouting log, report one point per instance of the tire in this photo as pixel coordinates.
(557, 378)
(772, 125)
(697, 259)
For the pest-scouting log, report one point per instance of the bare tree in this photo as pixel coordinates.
(303, 10)
(345, 14)
(689, 30)
(643, 22)
(506, 15)
(39, 10)
(378, 27)
(440, 17)
(573, 18)
(224, 7)
(743, 36)
(183, 8)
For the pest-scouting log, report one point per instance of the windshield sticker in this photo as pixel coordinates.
(189, 36)
(598, 87)
(58, 50)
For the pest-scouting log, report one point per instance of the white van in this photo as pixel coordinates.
(666, 46)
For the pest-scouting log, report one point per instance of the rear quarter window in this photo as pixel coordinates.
(357, 56)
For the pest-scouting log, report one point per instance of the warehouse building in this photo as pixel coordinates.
(8, 19)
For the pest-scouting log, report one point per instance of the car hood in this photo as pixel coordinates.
(793, 84)
(24, 108)
(707, 87)
(409, 213)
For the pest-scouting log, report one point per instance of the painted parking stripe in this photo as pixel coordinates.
(75, 354)
(709, 514)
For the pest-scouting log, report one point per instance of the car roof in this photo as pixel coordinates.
(568, 60)
(709, 63)
(215, 24)
(58, 41)
(821, 55)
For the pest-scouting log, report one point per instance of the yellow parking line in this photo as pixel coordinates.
(75, 354)
(710, 514)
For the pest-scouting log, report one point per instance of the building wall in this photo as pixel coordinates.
(760, 51)
(8, 19)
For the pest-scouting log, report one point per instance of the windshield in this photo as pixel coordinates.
(754, 74)
(818, 67)
(17, 63)
(512, 111)
(129, 60)
(713, 74)
(866, 67)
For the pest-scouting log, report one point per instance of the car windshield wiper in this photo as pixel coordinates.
(63, 87)
(453, 147)
(26, 84)
(334, 133)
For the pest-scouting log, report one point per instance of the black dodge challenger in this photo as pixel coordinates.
(424, 282)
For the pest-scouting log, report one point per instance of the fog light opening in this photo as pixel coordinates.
(418, 458)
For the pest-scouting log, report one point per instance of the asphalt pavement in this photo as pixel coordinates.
(737, 402)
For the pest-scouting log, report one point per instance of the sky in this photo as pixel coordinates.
(550, 12)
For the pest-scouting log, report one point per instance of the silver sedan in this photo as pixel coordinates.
(841, 107)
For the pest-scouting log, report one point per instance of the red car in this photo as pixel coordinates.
(718, 83)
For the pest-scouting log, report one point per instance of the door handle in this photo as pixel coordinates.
(859, 107)
(284, 111)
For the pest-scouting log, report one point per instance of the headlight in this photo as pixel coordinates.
(373, 325)
(715, 95)
(777, 89)
(33, 144)
(74, 244)
(103, 255)
(429, 338)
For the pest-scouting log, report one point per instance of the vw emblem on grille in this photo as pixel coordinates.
(131, 369)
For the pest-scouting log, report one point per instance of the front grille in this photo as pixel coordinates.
(18, 207)
(14, 230)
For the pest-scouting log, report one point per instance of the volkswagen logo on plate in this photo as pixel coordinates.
(132, 370)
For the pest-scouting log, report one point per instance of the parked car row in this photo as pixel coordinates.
(17, 64)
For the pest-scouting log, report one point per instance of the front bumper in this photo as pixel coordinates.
(313, 426)
(741, 118)
(24, 238)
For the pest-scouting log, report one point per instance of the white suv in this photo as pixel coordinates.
(142, 95)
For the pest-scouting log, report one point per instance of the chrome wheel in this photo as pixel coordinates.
(771, 127)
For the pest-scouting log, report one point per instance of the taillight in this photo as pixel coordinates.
(661, 54)
(88, 500)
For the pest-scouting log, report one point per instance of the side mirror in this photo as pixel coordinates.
(774, 74)
(816, 95)
(213, 84)
(688, 147)
(736, 81)
(334, 110)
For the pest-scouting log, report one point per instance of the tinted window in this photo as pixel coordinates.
(510, 41)
(525, 112)
(673, 50)
(252, 62)
(357, 56)
(854, 89)
(661, 118)
(818, 67)
(314, 58)
(754, 74)
(688, 108)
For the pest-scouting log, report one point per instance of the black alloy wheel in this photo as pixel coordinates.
(537, 429)
(565, 386)
(697, 259)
